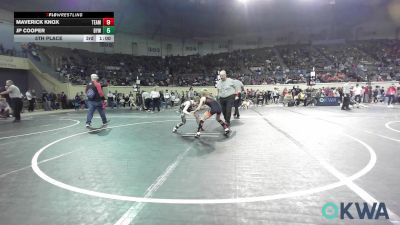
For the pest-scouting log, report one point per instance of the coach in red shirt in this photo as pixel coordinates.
(95, 97)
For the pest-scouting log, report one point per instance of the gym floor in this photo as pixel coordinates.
(279, 166)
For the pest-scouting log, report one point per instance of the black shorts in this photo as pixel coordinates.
(213, 111)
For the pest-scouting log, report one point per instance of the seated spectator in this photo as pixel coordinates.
(300, 97)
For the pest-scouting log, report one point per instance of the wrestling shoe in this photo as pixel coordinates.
(106, 123)
(174, 130)
(227, 131)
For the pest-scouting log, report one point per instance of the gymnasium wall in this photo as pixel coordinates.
(6, 28)
(22, 79)
(27, 75)
(157, 46)
(49, 83)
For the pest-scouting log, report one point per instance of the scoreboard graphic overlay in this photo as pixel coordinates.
(64, 27)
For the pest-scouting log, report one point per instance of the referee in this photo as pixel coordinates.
(15, 99)
(227, 93)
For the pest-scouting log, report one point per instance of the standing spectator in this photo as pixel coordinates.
(31, 101)
(50, 101)
(147, 100)
(162, 100)
(382, 94)
(238, 101)
(293, 92)
(340, 91)
(369, 93)
(83, 100)
(275, 95)
(122, 100)
(34, 97)
(46, 101)
(167, 98)
(346, 96)
(131, 101)
(190, 93)
(126, 99)
(357, 93)
(110, 99)
(183, 96)
(268, 97)
(15, 99)
(139, 100)
(55, 102)
(260, 98)
(155, 97)
(375, 94)
(173, 98)
(116, 99)
(63, 99)
(284, 93)
(366, 94)
(390, 93)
